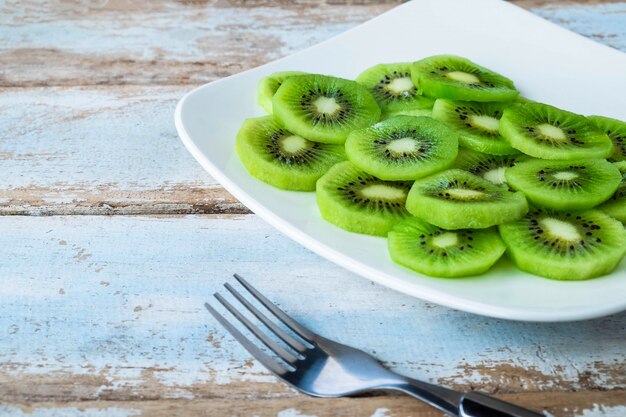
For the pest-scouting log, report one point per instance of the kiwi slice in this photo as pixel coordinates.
(616, 131)
(490, 167)
(565, 185)
(402, 148)
(280, 158)
(457, 78)
(393, 89)
(456, 199)
(476, 123)
(356, 201)
(565, 245)
(416, 113)
(546, 132)
(437, 252)
(616, 205)
(323, 108)
(269, 85)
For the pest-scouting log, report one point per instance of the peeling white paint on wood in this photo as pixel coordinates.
(292, 412)
(69, 412)
(90, 151)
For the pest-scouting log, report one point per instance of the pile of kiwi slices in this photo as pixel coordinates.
(445, 159)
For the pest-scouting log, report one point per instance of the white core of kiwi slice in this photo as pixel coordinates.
(565, 175)
(484, 122)
(293, 144)
(383, 192)
(553, 132)
(326, 105)
(495, 175)
(463, 77)
(400, 85)
(402, 146)
(445, 240)
(465, 194)
(561, 229)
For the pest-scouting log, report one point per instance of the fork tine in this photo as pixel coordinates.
(275, 347)
(293, 343)
(259, 355)
(303, 332)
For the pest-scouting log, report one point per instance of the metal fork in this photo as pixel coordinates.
(320, 367)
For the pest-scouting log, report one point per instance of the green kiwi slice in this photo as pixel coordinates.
(268, 86)
(616, 131)
(402, 148)
(546, 132)
(393, 89)
(280, 158)
(456, 199)
(457, 78)
(565, 245)
(416, 113)
(616, 205)
(433, 251)
(476, 123)
(565, 185)
(356, 201)
(323, 108)
(489, 167)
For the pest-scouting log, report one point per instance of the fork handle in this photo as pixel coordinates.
(476, 404)
(454, 403)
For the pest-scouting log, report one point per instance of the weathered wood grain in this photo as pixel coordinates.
(100, 151)
(84, 318)
(188, 42)
(585, 404)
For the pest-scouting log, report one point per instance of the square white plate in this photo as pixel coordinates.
(548, 64)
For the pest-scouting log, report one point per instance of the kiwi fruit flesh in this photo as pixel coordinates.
(616, 131)
(416, 113)
(565, 185)
(323, 108)
(268, 86)
(280, 158)
(393, 89)
(358, 202)
(616, 205)
(402, 148)
(456, 199)
(476, 123)
(457, 78)
(547, 132)
(565, 245)
(489, 167)
(437, 252)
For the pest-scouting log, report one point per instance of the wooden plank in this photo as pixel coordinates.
(188, 42)
(111, 308)
(100, 151)
(581, 404)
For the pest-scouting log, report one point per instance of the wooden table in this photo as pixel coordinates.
(112, 237)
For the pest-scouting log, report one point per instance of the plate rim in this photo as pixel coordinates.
(427, 294)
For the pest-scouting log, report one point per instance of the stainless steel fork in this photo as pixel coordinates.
(320, 367)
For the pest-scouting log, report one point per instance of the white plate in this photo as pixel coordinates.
(547, 63)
